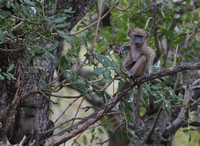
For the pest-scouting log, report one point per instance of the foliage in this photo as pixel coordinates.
(7, 74)
(172, 27)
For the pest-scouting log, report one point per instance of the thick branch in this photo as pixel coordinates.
(79, 127)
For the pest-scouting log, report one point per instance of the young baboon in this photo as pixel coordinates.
(138, 61)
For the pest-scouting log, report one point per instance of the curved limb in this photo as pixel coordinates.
(138, 68)
(123, 48)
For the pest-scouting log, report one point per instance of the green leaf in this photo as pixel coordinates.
(185, 130)
(7, 76)
(29, 3)
(147, 87)
(48, 87)
(122, 136)
(69, 10)
(11, 76)
(75, 78)
(11, 66)
(75, 142)
(193, 129)
(63, 25)
(85, 43)
(2, 36)
(54, 46)
(88, 96)
(85, 140)
(106, 73)
(60, 19)
(5, 14)
(116, 69)
(64, 61)
(50, 57)
(104, 60)
(131, 133)
(155, 87)
(2, 77)
(25, 10)
(100, 130)
(92, 130)
(62, 34)
(158, 80)
(190, 137)
(2, 3)
(98, 71)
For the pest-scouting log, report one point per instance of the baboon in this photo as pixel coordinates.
(138, 61)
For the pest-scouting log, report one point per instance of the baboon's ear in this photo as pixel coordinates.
(148, 34)
(129, 32)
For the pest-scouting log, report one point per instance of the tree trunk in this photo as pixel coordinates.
(29, 78)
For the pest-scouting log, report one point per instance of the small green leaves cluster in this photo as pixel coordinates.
(37, 17)
(7, 75)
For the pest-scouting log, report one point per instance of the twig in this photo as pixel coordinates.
(113, 131)
(147, 8)
(188, 41)
(175, 56)
(32, 93)
(158, 50)
(121, 9)
(61, 96)
(35, 23)
(185, 105)
(176, 123)
(78, 109)
(22, 141)
(12, 50)
(95, 38)
(65, 110)
(82, 64)
(52, 129)
(94, 81)
(13, 28)
(117, 2)
(147, 23)
(106, 85)
(87, 108)
(12, 109)
(98, 24)
(188, 37)
(33, 143)
(76, 139)
(154, 125)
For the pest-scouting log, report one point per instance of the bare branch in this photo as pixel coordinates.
(95, 21)
(22, 141)
(65, 110)
(154, 125)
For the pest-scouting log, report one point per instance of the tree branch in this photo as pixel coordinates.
(176, 124)
(79, 127)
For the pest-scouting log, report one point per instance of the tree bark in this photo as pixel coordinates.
(29, 79)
